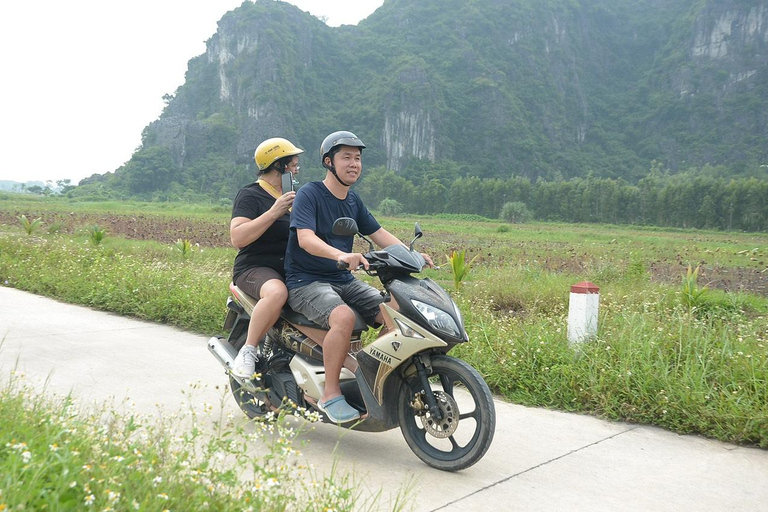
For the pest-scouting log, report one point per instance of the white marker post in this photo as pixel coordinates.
(582, 312)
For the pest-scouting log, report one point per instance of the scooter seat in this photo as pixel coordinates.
(248, 302)
(298, 319)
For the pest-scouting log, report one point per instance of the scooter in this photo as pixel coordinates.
(404, 378)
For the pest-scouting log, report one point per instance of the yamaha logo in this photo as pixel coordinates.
(381, 356)
(396, 345)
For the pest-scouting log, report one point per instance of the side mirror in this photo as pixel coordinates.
(345, 226)
(416, 235)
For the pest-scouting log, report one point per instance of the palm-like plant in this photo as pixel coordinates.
(459, 266)
(29, 226)
(96, 234)
(692, 293)
(184, 246)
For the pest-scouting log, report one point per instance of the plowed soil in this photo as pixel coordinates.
(214, 232)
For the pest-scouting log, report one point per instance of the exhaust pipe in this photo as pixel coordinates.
(223, 352)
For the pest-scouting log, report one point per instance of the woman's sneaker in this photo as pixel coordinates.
(245, 362)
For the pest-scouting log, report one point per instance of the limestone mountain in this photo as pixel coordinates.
(500, 88)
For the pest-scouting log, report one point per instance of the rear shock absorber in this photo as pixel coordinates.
(269, 342)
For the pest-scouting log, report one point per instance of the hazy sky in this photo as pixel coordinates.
(82, 78)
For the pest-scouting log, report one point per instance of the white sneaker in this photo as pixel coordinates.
(245, 362)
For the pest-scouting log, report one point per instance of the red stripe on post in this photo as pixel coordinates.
(585, 287)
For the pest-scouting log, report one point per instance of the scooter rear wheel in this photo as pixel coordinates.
(253, 405)
(465, 432)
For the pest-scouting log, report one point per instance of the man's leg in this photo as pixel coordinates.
(321, 303)
(336, 348)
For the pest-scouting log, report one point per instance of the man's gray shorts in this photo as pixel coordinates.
(317, 300)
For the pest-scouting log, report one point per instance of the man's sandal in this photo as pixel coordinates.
(338, 410)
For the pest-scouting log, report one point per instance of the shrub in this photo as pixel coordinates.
(390, 207)
(55, 228)
(515, 212)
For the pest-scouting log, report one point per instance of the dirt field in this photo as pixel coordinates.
(214, 233)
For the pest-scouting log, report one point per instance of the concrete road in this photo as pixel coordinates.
(539, 460)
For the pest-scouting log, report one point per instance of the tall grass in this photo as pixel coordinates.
(57, 455)
(654, 362)
(144, 280)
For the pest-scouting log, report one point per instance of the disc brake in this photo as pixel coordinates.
(447, 425)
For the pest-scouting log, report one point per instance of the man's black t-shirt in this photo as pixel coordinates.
(269, 249)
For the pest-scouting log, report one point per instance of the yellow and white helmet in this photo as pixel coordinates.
(272, 150)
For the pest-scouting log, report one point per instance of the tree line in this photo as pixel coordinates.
(692, 199)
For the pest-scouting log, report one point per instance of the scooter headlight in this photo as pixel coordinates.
(438, 319)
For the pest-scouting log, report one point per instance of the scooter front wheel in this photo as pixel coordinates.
(464, 433)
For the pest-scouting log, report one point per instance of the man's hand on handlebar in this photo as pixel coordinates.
(352, 260)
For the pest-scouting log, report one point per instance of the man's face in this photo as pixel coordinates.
(348, 163)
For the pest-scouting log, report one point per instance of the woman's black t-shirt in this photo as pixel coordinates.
(269, 249)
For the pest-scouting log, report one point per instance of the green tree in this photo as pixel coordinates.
(148, 170)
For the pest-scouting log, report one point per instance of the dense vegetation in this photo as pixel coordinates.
(701, 199)
(552, 92)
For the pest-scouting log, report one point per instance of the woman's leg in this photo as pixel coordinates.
(267, 285)
(267, 310)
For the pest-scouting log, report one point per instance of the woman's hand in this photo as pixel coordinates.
(283, 203)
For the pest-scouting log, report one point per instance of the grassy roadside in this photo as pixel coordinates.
(57, 455)
(690, 366)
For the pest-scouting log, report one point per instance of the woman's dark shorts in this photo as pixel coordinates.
(254, 278)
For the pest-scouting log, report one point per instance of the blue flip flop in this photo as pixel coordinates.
(338, 410)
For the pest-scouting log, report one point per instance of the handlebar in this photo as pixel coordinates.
(372, 265)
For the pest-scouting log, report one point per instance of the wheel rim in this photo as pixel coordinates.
(461, 437)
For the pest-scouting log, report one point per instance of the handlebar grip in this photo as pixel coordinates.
(342, 265)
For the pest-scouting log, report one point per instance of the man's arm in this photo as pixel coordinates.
(384, 238)
(311, 243)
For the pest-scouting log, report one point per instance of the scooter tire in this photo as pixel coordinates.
(252, 405)
(469, 412)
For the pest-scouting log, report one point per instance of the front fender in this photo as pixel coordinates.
(403, 339)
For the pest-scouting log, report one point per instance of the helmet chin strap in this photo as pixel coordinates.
(333, 171)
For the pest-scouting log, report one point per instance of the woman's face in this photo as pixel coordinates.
(293, 166)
